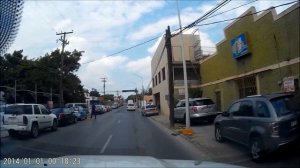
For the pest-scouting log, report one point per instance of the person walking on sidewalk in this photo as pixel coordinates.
(93, 110)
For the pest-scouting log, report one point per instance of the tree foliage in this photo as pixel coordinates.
(43, 72)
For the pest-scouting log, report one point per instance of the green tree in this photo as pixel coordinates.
(43, 72)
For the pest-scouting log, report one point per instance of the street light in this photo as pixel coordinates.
(187, 113)
(142, 86)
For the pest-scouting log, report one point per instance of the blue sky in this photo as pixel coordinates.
(105, 27)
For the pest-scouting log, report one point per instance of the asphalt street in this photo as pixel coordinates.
(118, 132)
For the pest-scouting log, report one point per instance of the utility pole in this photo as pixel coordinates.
(104, 80)
(186, 93)
(170, 76)
(64, 43)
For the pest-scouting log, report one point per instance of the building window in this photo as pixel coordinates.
(163, 74)
(155, 79)
(159, 77)
(247, 86)
(153, 84)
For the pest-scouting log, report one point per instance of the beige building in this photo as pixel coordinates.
(159, 69)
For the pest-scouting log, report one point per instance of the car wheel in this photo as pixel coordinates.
(34, 130)
(12, 133)
(218, 134)
(54, 125)
(256, 149)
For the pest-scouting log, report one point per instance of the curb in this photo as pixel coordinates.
(188, 138)
(183, 140)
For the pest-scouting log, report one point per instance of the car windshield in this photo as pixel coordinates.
(18, 109)
(285, 105)
(150, 106)
(149, 79)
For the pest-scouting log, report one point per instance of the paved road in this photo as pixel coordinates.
(115, 133)
(128, 133)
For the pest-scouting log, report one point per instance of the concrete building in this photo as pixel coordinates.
(259, 55)
(159, 69)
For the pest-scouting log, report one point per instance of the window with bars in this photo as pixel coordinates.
(247, 86)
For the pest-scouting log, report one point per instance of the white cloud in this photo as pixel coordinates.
(63, 25)
(153, 48)
(141, 67)
(76, 42)
(91, 73)
(188, 15)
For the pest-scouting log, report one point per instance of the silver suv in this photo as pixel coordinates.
(22, 118)
(263, 123)
(200, 109)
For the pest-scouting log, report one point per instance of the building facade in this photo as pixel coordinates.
(10, 12)
(259, 55)
(159, 70)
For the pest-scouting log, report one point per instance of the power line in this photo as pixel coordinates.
(226, 20)
(118, 52)
(230, 9)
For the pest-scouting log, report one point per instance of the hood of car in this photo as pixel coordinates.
(89, 161)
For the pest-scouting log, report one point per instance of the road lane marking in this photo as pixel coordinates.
(106, 144)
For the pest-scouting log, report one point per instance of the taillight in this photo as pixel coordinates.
(61, 116)
(274, 129)
(25, 120)
(194, 109)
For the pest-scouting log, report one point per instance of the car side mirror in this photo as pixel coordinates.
(225, 114)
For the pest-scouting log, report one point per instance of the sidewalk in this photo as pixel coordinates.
(203, 138)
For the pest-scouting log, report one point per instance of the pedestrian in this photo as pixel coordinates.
(93, 110)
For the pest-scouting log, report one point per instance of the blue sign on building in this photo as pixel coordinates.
(239, 46)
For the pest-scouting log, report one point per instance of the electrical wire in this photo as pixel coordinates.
(226, 20)
(118, 52)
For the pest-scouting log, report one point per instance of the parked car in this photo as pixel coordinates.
(131, 107)
(31, 118)
(114, 106)
(108, 108)
(79, 112)
(200, 109)
(83, 105)
(64, 116)
(263, 123)
(149, 110)
(100, 109)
